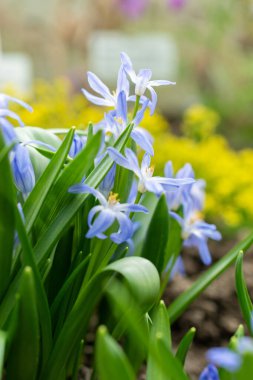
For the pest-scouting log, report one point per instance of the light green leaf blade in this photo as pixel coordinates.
(141, 278)
(23, 358)
(7, 218)
(157, 235)
(185, 345)
(3, 340)
(111, 362)
(37, 197)
(242, 293)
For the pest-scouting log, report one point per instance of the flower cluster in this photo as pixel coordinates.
(190, 199)
(179, 190)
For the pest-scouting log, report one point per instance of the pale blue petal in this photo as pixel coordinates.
(141, 139)
(127, 207)
(23, 170)
(122, 82)
(96, 100)
(153, 99)
(140, 114)
(145, 74)
(133, 161)
(92, 213)
(98, 86)
(225, 358)
(118, 158)
(122, 106)
(177, 217)
(8, 131)
(13, 115)
(103, 221)
(4, 99)
(128, 67)
(125, 231)
(83, 189)
(145, 164)
(168, 170)
(153, 186)
(161, 82)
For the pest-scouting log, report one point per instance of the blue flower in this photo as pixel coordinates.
(7, 128)
(116, 121)
(22, 169)
(142, 80)
(147, 182)
(196, 232)
(231, 360)
(210, 373)
(107, 98)
(77, 144)
(191, 196)
(102, 216)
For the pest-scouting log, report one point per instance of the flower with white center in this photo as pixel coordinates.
(102, 216)
(147, 182)
(196, 232)
(107, 98)
(142, 80)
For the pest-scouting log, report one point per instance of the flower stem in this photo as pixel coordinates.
(136, 107)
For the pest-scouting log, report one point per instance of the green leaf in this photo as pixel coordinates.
(242, 292)
(185, 345)
(141, 278)
(149, 200)
(23, 358)
(157, 235)
(7, 218)
(3, 340)
(62, 210)
(28, 260)
(160, 328)
(40, 192)
(185, 299)
(168, 362)
(111, 361)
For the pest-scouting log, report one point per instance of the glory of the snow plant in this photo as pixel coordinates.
(90, 235)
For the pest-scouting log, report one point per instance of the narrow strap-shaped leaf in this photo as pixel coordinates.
(7, 218)
(157, 235)
(68, 209)
(23, 358)
(185, 344)
(185, 299)
(37, 197)
(142, 280)
(3, 340)
(242, 293)
(111, 361)
(160, 327)
(41, 298)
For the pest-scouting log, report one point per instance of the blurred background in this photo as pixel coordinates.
(206, 46)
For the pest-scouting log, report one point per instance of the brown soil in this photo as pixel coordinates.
(215, 314)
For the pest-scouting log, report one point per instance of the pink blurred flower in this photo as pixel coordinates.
(133, 8)
(176, 4)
